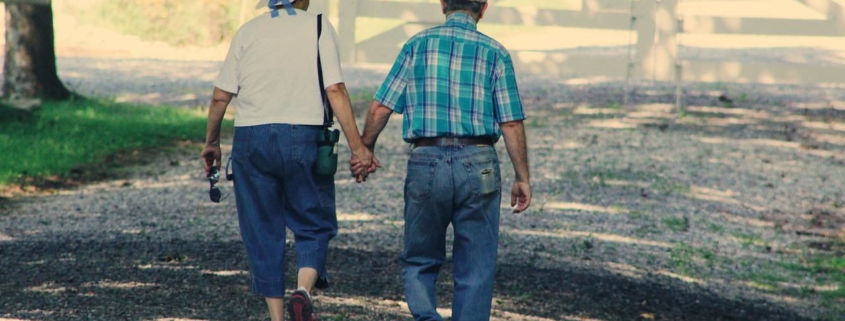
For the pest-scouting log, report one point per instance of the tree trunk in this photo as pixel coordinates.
(30, 62)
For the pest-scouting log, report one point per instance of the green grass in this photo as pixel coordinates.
(750, 239)
(714, 228)
(827, 269)
(63, 136)
(677, 225)
(835, 267)
(691, 261)
(682, 259)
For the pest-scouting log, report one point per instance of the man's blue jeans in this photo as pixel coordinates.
(459, 186)
(276, 188)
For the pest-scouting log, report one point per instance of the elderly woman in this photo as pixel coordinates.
(272, 68)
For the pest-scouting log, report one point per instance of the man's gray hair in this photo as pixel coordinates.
(464, 5)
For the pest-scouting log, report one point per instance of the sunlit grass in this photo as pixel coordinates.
(62, 136)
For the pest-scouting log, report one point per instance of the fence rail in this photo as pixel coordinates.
(659, 26)
(383, 48)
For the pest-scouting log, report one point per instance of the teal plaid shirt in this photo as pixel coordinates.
(452, 81)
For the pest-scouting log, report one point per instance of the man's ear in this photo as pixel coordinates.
(483, 9)
(443, 6)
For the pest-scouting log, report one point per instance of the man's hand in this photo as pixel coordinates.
(514, 134)
(359, 171)
(374, 166)
(360, 163)
(210, 154)
(520, 196)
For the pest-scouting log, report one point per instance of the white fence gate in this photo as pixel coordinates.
(657, 25)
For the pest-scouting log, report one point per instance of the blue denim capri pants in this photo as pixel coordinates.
(276, 188)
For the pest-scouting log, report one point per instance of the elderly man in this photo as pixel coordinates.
(272, 67)
(457, 90)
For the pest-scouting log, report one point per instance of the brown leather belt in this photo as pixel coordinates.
(452, 141)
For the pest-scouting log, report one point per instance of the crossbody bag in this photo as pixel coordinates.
(326, 164)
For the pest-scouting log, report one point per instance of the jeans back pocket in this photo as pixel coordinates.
(489, 181)
(419, 181)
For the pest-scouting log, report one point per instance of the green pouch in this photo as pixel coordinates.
(327, 152)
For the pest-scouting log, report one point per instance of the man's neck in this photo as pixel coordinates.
(473, 15)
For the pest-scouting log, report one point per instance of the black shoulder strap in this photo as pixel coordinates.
(328, 117)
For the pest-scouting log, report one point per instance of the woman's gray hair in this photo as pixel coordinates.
(464, 5)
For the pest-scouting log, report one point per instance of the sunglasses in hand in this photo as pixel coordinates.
(214, 191)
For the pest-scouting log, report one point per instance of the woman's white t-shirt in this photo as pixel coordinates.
(272, 68)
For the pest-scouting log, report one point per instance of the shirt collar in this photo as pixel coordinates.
(461, 19)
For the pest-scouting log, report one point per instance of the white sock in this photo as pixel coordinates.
(302, 288)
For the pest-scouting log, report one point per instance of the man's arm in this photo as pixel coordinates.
(216, 110)
(342, 107)
(377, 118)
(514, 134)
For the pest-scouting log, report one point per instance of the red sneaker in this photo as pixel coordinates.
(299, 307)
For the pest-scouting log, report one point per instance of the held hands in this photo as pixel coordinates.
(520, 196)
(362, 164)
(210, 155)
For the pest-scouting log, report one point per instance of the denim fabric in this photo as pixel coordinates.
(275, 188)
(459, 186)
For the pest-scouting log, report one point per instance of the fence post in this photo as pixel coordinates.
(332, 11)
(629, 63)
(242, 16)
(678, 24)
(836, 15)
(348, 11)
(657, 48)
(589, 6)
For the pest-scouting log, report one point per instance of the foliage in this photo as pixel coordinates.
(62, 136)
(176, 22)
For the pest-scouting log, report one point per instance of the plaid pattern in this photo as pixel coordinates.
(452, 81)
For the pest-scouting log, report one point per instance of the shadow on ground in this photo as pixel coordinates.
(151, 279)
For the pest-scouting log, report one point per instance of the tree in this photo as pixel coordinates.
(29, 70)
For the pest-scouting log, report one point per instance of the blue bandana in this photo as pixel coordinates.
(275, 11)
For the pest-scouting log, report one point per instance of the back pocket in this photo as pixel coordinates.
(489, 181)
(419, 181)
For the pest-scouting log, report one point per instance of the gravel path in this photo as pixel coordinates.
(640, 213)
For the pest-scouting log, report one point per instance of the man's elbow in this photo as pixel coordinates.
(220, 96)
(511, 125)
(380, 109)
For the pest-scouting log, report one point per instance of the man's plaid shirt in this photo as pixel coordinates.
(452, 81)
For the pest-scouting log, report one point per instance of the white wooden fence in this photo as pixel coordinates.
(658, 25)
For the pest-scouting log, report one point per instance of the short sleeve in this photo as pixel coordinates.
(392, 92)
(507, 103)
(330, 55)
(227, 79)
